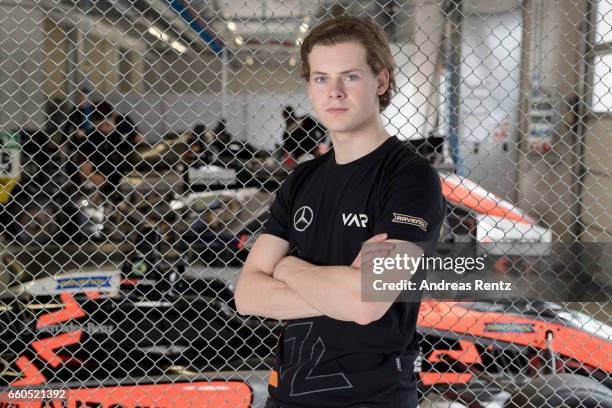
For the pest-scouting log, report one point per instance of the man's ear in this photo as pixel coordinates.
(383, 81)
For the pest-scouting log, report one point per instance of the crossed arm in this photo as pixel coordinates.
(283, 287)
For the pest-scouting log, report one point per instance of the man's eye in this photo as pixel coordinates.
(319, 79)
(352, 77)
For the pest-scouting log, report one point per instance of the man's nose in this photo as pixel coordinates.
(336, 90)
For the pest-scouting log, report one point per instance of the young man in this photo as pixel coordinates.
(335, 350)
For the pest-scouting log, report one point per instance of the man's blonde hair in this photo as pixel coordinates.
(360, 29)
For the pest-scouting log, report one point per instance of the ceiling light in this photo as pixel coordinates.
(298, 42)
(157, 33)
(239, 40)
(249, 60)
(232, 26)
(178, 46)
(304, 27)
(292, 61)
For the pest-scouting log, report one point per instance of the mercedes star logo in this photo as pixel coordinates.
(302, 218)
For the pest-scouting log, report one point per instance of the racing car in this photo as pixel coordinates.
(474, 216)
(146, 319)
(151, 329)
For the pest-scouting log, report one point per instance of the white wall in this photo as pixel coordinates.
(490, 93)
(250, 117)
(171, 92)
(21, 76)
(412, 111)
(548, 184)
(597, 199)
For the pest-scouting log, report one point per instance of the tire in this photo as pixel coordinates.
(561, 390)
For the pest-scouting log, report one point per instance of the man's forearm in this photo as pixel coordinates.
(334, 290)
(269, 297)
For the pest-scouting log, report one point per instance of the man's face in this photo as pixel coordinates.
(342, 87)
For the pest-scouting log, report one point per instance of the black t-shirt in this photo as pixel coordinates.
(321, 211)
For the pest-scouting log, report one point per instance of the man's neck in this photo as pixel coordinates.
(354, 145)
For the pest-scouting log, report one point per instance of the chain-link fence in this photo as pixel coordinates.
(142, 143)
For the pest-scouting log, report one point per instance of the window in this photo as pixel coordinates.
(603, 23)
(602, 61)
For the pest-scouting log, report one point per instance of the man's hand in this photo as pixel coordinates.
(381, 250)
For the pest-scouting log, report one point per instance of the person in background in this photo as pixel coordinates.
(227, 148)
(79, 122)
(103, 155)
(196, 152)
(222, 136)
(126, 127)
(302, 135)
(77, 126)
(55, 110)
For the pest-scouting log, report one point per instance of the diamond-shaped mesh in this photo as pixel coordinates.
(122, 235)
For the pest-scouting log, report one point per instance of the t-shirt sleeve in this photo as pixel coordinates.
(412, 207)
(280, 212)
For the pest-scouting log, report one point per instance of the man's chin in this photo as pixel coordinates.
(336, 127)
(339, 134)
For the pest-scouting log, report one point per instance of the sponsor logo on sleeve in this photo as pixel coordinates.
(410, 220)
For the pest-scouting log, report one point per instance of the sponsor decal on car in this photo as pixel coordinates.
(83, 282)
(509, 328)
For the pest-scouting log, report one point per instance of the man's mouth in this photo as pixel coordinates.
(336, 110)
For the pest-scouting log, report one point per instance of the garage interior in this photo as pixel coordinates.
(517, 93)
